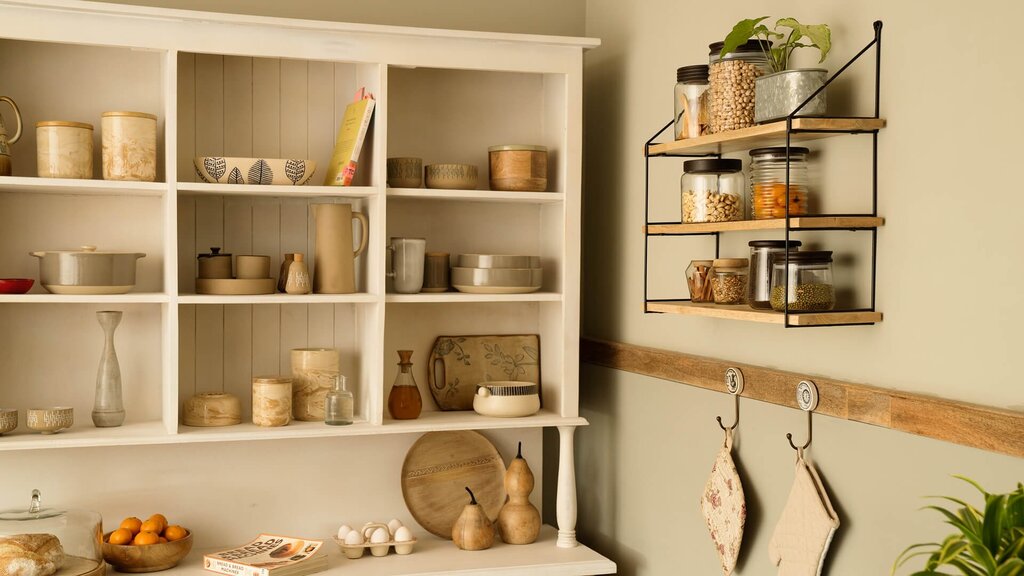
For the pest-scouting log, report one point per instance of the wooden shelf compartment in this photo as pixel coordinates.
(434, 556)
(795, 223)
(477, 195)
(207, 189)
(748, 314)
(772, 134)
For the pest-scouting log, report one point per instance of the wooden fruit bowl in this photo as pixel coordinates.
(151, 558)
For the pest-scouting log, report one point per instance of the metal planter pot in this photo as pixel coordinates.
(777, 95)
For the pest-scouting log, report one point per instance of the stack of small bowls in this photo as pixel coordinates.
(496, 274)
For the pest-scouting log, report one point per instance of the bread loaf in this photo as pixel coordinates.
(30, 555)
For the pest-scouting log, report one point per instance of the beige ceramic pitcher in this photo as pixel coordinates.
(5, 142)
(334, 270)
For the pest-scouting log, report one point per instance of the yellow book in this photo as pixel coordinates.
(351, 135)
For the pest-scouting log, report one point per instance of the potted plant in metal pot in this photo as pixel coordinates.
(778, 94)
(989, 541)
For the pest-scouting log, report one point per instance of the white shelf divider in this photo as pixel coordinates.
(277, 298)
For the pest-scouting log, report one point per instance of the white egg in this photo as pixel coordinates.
(380, 535)
(403, 534)
(394, 525)
(353, 537)
(343, 531)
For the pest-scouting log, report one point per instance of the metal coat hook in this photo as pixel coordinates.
(734, 383)
(807, 400)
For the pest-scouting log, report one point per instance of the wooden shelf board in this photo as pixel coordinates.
(433, 556)
(743, 312)
(206, 189)
(133, 298)
(477, 195)
(773, 134)
(277, 298)
(459, 297)
(77, 187)
(84, 434)
(796, 223)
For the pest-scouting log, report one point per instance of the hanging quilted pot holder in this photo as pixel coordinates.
(724, 507)
(805, 529)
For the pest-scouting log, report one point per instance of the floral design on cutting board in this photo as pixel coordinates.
(458, 364)
(513, 365)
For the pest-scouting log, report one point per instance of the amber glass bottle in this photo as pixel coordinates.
(404, 402)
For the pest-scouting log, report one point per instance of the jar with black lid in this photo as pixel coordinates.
(807, 283)
(691, 118)
(712, 190)
(768, 182)
(731, 84)
(760, 283)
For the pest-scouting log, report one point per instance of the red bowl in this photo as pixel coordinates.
(15, 285)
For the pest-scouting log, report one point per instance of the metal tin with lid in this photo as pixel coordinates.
(760, 281)
(712, 190)
(67, 538)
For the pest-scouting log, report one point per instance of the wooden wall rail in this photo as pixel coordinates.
(991, 429)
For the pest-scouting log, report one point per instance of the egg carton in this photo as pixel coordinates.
(354, 551)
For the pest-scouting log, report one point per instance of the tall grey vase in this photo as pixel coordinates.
(108, 410)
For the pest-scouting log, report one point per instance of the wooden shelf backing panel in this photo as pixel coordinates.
(742, 312)
(992, 429)
(797, 223)
(773, 134)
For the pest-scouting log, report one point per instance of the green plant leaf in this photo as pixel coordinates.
(819, 34)
(984, 558)
(968, 531)
(968, 569)
(995, 521)
(951, 548)
(906, 554)
(1015, 567)
(972, 483)
(741, 32)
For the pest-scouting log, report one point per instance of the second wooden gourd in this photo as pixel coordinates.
(519, 520)
(473, 530)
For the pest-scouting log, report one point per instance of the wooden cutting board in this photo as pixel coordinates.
(459, 363)
(437, 470)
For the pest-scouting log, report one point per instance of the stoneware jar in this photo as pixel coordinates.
(518, 167)
(63, 149)
(129, 146)
(212, 409)
(271, 401)
(313, 373)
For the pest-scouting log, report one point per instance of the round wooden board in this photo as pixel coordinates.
(78, 566)
(437, 470)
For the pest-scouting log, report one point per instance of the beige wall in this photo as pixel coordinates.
(949, 279)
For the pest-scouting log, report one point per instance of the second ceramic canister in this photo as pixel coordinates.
(271, 401)
(129, 146)
(63, 149)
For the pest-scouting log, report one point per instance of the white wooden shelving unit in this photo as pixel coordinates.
(232, 85)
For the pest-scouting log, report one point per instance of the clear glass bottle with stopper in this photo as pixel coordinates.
(404, 402)
(339, 405)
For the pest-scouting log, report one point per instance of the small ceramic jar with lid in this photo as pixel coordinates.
(518, 167)
(271, 401)
(729, 280)
(215, 265)
(209, 409)
(63, 149)
(129, 146)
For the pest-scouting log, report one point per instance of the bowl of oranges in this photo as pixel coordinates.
(146, 546)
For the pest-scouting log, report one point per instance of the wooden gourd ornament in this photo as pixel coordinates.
(519, 520)
(473, 530)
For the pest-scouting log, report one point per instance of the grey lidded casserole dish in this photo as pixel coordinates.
(86, 271)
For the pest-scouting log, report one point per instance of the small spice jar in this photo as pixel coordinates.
(768, 182)
(760, 283)
(729, 280)
(698, 280)
(129, 146)
(690, 101)
(271, 401)
(731, 84)
(63, 149)
(712, 190)
(806, 285)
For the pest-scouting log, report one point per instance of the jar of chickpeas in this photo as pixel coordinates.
(768, 189)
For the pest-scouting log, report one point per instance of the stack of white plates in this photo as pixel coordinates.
(496, 274)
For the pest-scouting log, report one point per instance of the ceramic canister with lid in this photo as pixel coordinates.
(518, 167)
(63, 149)
(129, 146)
(271, 401)
(215, 265)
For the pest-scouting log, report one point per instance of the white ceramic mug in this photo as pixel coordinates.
(407, 264)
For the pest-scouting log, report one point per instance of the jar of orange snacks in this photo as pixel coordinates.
(768, 182)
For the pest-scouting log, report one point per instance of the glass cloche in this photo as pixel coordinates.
(58, 541)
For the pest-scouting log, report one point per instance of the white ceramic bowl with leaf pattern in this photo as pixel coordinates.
(254, 171)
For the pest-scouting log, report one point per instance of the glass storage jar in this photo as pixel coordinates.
(690, 101)
(698, 280)
(49, 530)
(712, 190)
(768, 182)
(729, 280)
(760, 281)
(807, 285)
(731, 84)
